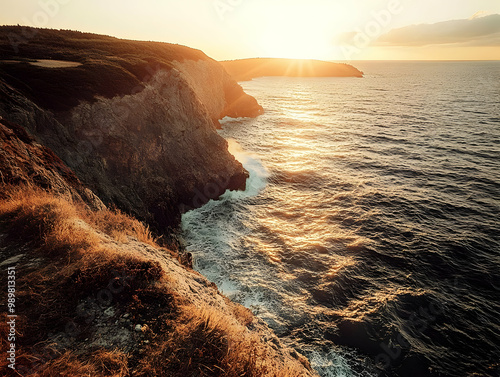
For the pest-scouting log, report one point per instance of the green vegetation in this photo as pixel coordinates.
(110, 66)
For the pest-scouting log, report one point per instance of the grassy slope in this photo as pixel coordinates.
(66, 254)
(111, 66)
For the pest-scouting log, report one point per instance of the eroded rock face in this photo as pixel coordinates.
(218, 91)
(156, 150)
(134, 120)
(23, 161)
(154, 154)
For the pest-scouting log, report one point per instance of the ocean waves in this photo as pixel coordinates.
(368, 235)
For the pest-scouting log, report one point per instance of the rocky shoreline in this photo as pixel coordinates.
(95, 155)
(146, 144)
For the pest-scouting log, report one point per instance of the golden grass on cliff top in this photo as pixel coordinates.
(67, 258)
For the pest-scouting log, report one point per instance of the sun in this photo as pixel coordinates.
(295, 35)
(295, 45)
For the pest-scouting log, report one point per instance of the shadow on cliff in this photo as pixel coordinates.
(134, 121)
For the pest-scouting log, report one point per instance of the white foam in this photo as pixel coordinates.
(211, 236)
(251, 162)
(255, 183)
(331, 364)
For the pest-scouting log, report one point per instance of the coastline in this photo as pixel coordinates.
(104, 174)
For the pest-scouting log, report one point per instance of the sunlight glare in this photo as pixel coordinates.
(296, 34)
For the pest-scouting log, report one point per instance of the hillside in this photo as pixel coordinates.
(109, 67)
(104, 143)
(134, 120)
(96, 296)
(247, 69)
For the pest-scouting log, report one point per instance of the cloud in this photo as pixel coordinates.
(480, 14)
(345, 38)
(479, 30)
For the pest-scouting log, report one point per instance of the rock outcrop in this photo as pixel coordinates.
(208, 79)
(135, 121)
(24, 162)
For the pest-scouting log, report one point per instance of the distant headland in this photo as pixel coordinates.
(248, 69)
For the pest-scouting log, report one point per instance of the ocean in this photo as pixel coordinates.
(368, 236)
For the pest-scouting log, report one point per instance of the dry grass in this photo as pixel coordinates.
(120, 226)
(35, 214)
(100, 363)
(243, 315)
(75, 260)
(206, 343)
(34, 217)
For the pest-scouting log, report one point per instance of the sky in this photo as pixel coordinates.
(312, 29)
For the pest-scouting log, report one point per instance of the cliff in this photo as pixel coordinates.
(247, 69)
(92, 127)
(209, 79)
(134, 120)
(95, 296)
(99, 65)
(24, 162)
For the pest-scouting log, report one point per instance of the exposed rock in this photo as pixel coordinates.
(109, 67)
(135, 123)
(23, 161)
(154, 152)
(209, 79)
(145, 144)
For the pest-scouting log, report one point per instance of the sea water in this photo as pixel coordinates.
(368, 236)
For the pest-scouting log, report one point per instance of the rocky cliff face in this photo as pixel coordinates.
(140, 131)
(24, 162)
(153, 152)
(132, 126)
(209, 79)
